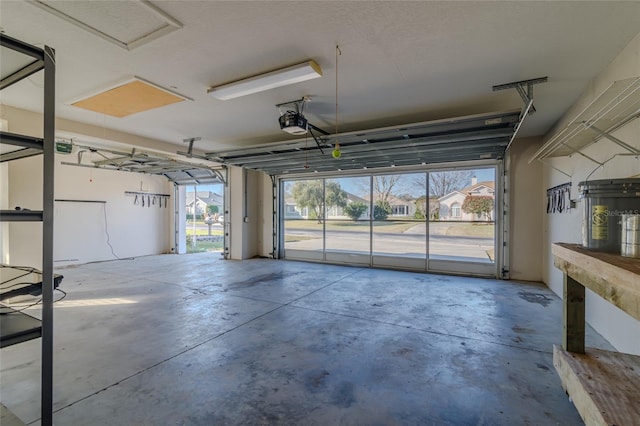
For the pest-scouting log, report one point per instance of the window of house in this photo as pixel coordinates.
(399, 210)
(455, 210)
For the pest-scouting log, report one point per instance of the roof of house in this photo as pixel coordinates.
(207, 197)
(351, 197)
(487, 183)
(470, 189)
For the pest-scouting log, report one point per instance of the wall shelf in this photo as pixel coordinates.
(615, 107)
(29, 146)
(20, 216)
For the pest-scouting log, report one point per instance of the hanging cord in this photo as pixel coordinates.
(9, 307)
(336, 150)
(606, 161)
(306, 151)
(106, 229)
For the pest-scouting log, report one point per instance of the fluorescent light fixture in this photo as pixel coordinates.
(259, 83)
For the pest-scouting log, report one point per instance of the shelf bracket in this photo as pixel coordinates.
(555, 168)
(24, 72)
(577, 151)
(587, 157)
(612, 138)
(524, 89)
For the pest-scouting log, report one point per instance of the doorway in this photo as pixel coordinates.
(439, 220)
(200, 218)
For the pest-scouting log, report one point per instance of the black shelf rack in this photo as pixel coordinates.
(41, 59)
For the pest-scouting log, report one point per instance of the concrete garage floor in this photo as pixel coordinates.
(195, 340)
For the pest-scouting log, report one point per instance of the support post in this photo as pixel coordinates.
(47, 237)
(573, 316)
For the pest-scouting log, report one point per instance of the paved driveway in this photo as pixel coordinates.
(411, 243)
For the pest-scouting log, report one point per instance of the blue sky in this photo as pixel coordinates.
(405, 185)
(217, 188)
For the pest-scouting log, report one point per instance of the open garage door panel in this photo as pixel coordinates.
(476, 137)
(178, 171)
(439, 220)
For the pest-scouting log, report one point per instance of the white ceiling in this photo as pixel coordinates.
(401, 62)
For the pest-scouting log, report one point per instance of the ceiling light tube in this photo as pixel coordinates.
(282, 77)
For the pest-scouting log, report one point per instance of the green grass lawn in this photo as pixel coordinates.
(203, 246)
(204, 232)
(294, 238)
(471, 230)
(391, 226)
(347, 225)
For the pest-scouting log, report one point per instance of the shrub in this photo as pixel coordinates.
(355, 210)
(381, 210)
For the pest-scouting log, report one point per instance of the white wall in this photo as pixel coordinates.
(620, 329)
(252, 215)
(133, 230)
(265, 205)
(526, 205)
(244, 202)
(179, 240)
(80, 231)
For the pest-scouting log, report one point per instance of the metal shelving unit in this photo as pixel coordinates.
(616, 106)
(37, 60)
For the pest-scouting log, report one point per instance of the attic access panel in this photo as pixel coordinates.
(476, 137)
(127, 24)
(129, 97)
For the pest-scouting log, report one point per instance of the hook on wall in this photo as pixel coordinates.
(145, 198)
(559, 198)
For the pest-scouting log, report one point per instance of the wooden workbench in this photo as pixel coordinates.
(604, 385)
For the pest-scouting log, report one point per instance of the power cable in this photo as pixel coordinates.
(106, 231)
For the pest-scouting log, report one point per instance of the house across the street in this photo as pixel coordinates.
(202, 200)
(451, 203)
(447, 207)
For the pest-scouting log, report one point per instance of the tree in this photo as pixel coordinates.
(211, 208)
(478, 204)
(354, 210)
(442, 183)
(383, 185)
(421, 208)
(309, 193)
(381, 210)
(334, 194)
